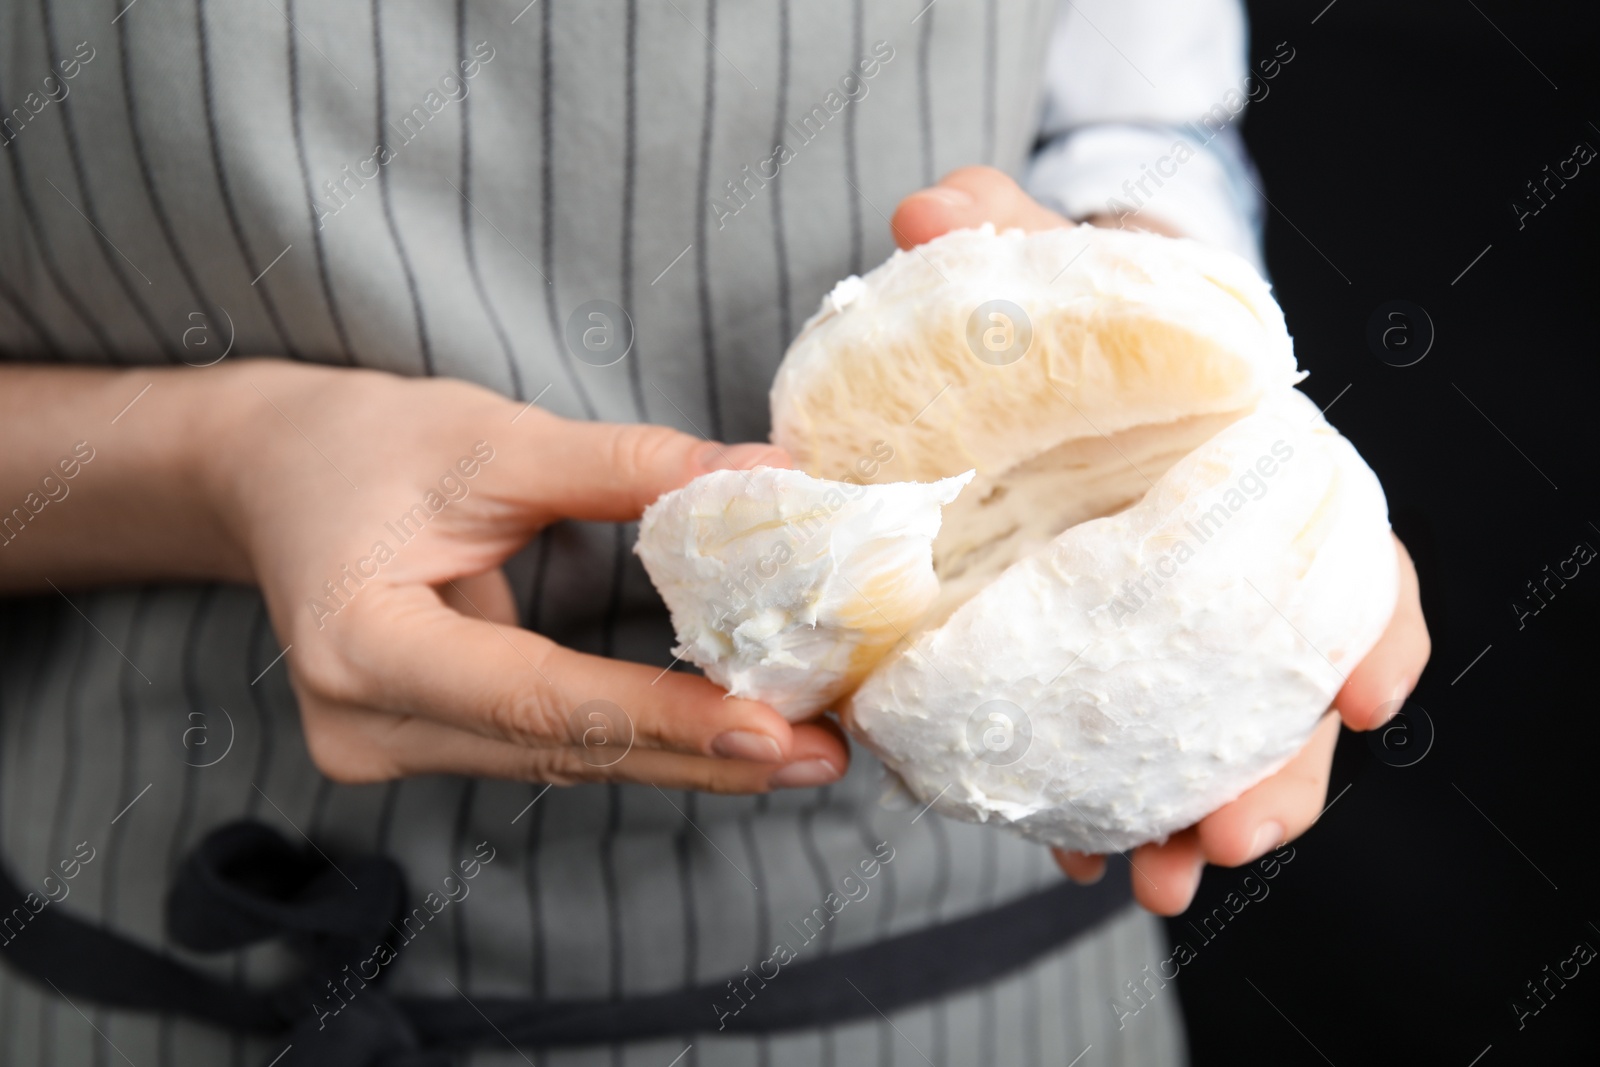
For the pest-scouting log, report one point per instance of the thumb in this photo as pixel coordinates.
(610, 472)
(969, 197)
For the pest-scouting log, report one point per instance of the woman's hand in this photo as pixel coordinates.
(374, 513)
(1285, 805)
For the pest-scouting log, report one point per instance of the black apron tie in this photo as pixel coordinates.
(370, 1032)
(245, 883)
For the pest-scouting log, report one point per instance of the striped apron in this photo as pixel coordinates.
(433, 188)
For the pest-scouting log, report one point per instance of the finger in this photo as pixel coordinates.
(1276, 810)
(818, 755)
(1387, 675)
(482, 596)
(969, 197)
(362, 745)
(1082, 867)
(1166, 875)
(401, 649)
(610, 472)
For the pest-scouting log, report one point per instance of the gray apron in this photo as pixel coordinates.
(430, 189)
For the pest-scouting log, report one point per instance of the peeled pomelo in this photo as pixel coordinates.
(1161, 563)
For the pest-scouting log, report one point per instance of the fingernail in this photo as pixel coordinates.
(951, 196)
(1064, 858)
(1091, 879)
(806, 773)
(1191, 886)
(1269, 835)
(744, 744)
(715, 457)
(1391, 707)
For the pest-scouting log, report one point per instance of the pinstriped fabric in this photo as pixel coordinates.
(764, 930)
(925, 93)
(258, 655)
(469, 222)
(128, 749)
(532, 851)
(883, 925)
(225, 186)
(116, 264)
(587, 157)
(58, 745)
(708, 338)
(10, 628)
(319, 808)
(66, 789)
(607, 846)
(32, 323)
(608, 858)
(118, 267)
(260, 652)
(939, 888)
(1032, 996)
(32, 239)
(547, 199)
(820, 869)
(183, 823)
(194, 700)
(131, 88)
(335, 315)
(991, 77)
(630, 177)
(460, 846)
(852, 167)
(1054, 1039)
(780, 250)
(385, 190)
(691, 919)
(989, 851)
(533, 812)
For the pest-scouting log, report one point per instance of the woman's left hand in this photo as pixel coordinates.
(1284, 806)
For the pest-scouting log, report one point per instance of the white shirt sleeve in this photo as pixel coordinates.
(1143, 99)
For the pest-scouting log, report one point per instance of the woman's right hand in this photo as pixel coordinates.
(374, 512)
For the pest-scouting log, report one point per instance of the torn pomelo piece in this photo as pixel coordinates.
(1106, 390)
(786, 588)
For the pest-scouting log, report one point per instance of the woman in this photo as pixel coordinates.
(298, 645)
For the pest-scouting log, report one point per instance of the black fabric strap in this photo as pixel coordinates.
(882, 976)
(245, 883)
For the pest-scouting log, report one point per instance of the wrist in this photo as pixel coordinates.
(169, 457)
(240, 430)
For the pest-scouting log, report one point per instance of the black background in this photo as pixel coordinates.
(1392, 147)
